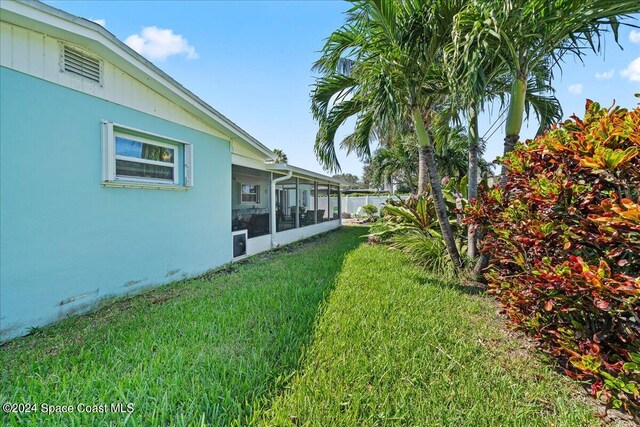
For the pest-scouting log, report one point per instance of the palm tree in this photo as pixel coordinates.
(513, 46)
(392, 73)
(489, 81)
(451, 147)
(397, 160)
(525, 35)
(396, 163)
(281, 157)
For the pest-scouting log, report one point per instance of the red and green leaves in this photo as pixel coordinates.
(564, 237)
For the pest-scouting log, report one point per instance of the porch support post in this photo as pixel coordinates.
(346, 203)
(297, 203)
(315, 201)
(339, 206)
(273, 205)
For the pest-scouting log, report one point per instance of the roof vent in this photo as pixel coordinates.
(81, 64)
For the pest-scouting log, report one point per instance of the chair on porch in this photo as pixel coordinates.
(307, 218)
(258, 225)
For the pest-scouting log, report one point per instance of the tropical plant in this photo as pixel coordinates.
(565, 237)
(397, 160)
(487, 79)
(525, 35)
(411, 226)
(451, 147)
(370, 210)
(424, 250)
(349, 178)
(524, 68)
(383, 66)
(281, 156)
(395, 163)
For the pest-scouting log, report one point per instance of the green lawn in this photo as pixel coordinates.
(332, 332)
(395, 346)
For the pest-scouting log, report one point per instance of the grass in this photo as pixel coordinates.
(333, 333)
(213, 348)
(397, 347)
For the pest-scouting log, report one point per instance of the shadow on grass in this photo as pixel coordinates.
(210, 349)
(396, 346)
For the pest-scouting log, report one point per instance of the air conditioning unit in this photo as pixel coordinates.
(239, 242)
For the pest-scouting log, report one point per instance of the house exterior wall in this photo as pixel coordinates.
(66, 240)
(38, 55)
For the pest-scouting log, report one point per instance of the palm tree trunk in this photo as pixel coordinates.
(436, 189)
(423, 173)
(481, 264)
(512, 131)
(514, 117)
(472, 175)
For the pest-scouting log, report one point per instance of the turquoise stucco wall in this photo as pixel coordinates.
(66, 241)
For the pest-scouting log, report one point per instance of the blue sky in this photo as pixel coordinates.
(251, 60)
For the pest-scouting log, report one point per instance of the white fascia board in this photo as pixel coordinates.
(249, 162)
(60, 24)
(301, 173)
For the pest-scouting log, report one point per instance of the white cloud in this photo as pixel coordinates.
(605, 75)
(101, 22)
(634, 36)
(632, 72)
(576, 89)
(158, 44)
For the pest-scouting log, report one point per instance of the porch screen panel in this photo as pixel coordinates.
(286, 204)
(334, 201)
(307, 195)
(323, 211)
(250, 201)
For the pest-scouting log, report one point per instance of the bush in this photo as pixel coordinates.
(411, 226)
(564, 236)
(370, 210)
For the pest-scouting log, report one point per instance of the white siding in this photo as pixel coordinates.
(259, 244)
(38, 55)
(295, 234)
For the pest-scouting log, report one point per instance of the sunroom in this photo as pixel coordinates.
(280, 205)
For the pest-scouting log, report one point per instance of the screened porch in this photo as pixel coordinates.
(299, 201)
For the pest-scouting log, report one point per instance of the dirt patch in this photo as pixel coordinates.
(356, 222)
(172, 272)
(77, 297)
(133, 282)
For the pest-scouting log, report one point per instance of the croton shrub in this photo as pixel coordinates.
(564, 239)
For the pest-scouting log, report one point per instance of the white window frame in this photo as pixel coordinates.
(257, 194)
(174, 165)
(109, 176)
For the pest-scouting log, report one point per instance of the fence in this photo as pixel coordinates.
(351, 204)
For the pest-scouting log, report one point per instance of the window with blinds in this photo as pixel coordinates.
(81, 64)
(135, 156)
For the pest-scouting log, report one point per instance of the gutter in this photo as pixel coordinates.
(303, 173)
